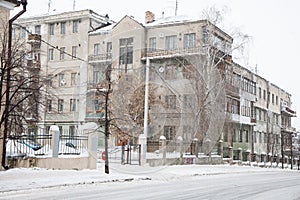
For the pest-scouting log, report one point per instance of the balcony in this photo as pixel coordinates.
(174, 52)
(232, 90)
(34, 64)
(286, 110)
(34, 39)
(105, 57)
(288, 129)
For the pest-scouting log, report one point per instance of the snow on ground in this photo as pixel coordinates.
(30, 178)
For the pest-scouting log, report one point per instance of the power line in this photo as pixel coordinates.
(54, 47)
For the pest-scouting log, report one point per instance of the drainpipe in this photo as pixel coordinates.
(8, 64)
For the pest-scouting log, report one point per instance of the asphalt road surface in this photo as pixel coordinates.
(281, 185)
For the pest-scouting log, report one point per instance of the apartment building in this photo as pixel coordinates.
(77, 50)
(58, 48)
(258, 113)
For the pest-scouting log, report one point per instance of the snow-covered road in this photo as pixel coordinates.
(135, 182)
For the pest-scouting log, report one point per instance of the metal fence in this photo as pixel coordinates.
(40, 145)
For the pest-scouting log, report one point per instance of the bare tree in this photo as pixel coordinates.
(24, 88)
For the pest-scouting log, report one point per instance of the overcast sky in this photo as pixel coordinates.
(272, 24)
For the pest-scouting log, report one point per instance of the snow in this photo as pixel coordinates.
(171, 20)
(33, 178)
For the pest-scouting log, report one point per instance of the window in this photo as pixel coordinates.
(204, 35)
(152, 44)
(169, 132)
(254, 137)
(71, 131)
(276, 100)
(232, 105)
(23, 33)
(265, 137)
(98, 104)
(96, 49)
(51, 54)
(126, 51)
(264, 95)
(171, 42)
(187, 101)
(96, 77)
(63, 28)
(75, 26)
(60, 105)
(225, 136)
(189, 40)
(37, 29)
(109, 50)
(246, 108)
(247, 136)
(62, 53)
(61, 80)
(51, 29)
(74, 52)
(234, 136)
(241, 136)
(171, 101)
(273, 99)
(259, 92)
(72, 105)
(49, 105)
(260, 137)
(73, 79)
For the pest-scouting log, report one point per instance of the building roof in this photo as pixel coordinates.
(9, 4)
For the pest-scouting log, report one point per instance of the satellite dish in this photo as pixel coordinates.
(161, 69)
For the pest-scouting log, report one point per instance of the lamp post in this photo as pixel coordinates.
(8, 77)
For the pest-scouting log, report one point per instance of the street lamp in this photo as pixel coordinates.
(8, 77)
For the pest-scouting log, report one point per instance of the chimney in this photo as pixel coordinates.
(149, 17)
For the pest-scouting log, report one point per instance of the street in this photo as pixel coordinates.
(243, 185)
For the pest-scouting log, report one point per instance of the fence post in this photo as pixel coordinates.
(180, 141)
(54, 132)
(92, 149)
(162, 141)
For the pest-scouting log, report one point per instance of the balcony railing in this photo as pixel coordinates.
(288, 129)
(100, 57)
(285, 109)
(170, 53)
(34, 64)
(34, 38)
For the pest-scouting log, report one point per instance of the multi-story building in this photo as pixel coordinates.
(231, 107)
(59, 46)
(5, 7)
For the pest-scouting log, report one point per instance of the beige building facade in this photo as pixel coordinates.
(76, 55)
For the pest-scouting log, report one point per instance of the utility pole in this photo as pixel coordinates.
(8, 77)
(143, 137)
